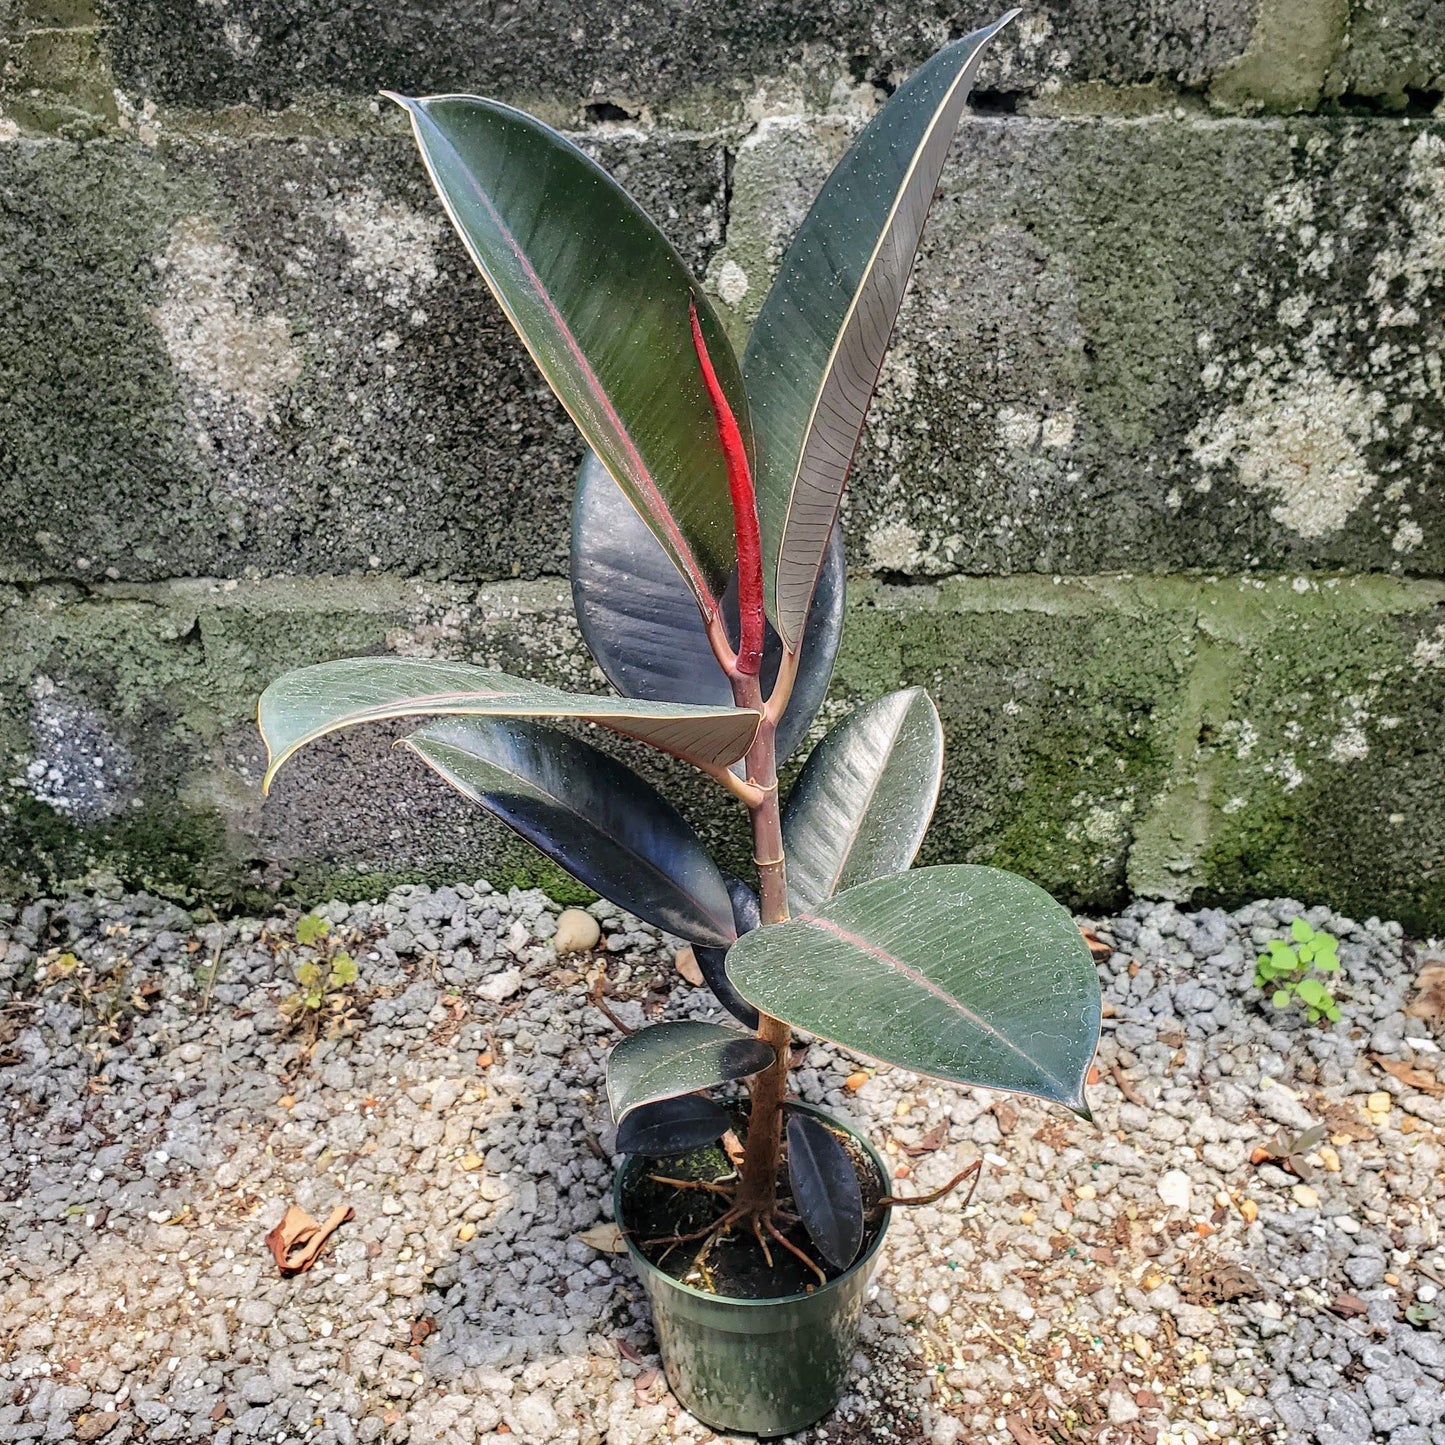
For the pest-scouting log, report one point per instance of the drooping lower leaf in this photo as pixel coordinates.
(713, 961)
(312, 701)
(588, 813)
(961, 972)
(863, 801)
(825, 1189)
(603, 302)
(669, 1059)
(640, 624)
(672, 1126)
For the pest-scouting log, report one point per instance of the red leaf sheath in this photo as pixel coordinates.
(745, 512)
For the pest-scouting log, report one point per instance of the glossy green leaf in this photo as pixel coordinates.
(671, 1126)
(601, 300)
(313, 701)
(961, 972)
(647, 636)
(591, 815)
(815, 351)
(668, 1059)
(825, 1189)
(863, 801)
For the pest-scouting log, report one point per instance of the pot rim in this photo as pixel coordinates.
(672, 1282)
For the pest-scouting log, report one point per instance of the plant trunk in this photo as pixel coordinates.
(762, 1158)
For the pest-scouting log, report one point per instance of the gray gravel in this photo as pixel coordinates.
(1137, 1280)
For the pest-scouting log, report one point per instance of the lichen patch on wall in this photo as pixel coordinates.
(392, 247)
(76, 766)
(1302, 438)
(1418, 256)
(211, 329)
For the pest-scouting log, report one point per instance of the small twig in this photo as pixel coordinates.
(211, 979)
(1125, 1087)
(600, 1004)
(711, 1188)
(975, 1169)
(793, 1249)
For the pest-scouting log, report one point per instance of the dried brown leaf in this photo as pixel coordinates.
(1345, 1122)
(1429, 1000)
(1410, 1076)
(1348, 1306)
(297, 1242)
(92, 1427)
(928, 1142)
(606, 1238)
(685, 962)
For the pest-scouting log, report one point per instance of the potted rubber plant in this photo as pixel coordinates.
(708, 578)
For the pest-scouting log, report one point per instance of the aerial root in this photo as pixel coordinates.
(724, 1221)
(703, 1184)
(762, 1243)
(793, 1249)
(975, 1169)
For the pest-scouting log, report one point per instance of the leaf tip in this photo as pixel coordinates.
(404, 101)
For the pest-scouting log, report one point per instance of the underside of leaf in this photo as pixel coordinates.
(594, 817)
(313, 701)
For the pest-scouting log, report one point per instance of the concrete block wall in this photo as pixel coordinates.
(1152, 497)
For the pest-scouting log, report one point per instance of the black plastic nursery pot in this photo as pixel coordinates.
(757, 1366)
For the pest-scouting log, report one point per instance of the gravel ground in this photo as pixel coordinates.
(1133, 1280)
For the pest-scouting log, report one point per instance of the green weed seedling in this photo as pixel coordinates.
(1290, 972)
(322, 975)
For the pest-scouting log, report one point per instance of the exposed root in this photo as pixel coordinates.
(975, 1169)
(722, 1222)
(762, 1243)
(708, 1186)
(762, 1222)
(793, 1249)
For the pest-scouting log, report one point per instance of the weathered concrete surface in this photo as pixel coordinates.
(1193, 739)
(1149, 345)
(1131, 345)
(270, 357)
(655, 54)
(1395, 53)
(1157, 329)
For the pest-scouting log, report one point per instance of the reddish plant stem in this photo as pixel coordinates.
(762, 1158)
(745, 512)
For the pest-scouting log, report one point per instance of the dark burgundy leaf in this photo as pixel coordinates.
(747, 916)
(642, 626)
(672, 1126)
(825, 1189)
